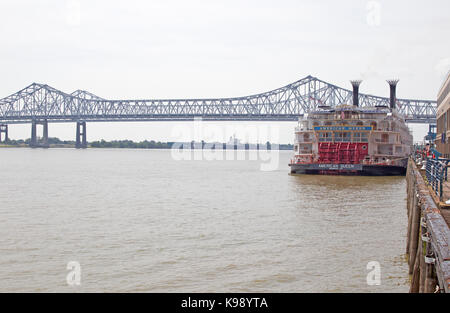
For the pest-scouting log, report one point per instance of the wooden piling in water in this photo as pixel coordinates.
(414, 235)
(421, 267)
(430, 280)
(415, 279)
(409, 200)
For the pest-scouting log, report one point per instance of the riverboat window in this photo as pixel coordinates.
(385, 149)
(341, 136)
(393, 126)
(304, 125)
(364, 137)
(384, 125)
(356, 137)
(305, 137)
(305, 148)
(325, 136)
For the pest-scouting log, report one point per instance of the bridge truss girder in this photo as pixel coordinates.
(39, 101)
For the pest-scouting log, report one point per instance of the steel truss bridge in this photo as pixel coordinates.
(42, 102)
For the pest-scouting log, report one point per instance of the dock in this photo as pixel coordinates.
(428, 235)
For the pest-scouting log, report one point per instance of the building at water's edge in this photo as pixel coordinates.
(443, 119)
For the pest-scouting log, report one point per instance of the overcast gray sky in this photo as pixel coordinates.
(196, 48)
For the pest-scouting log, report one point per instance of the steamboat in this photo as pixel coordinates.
(353, 140)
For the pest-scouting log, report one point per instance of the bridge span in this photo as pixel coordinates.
(40, 104)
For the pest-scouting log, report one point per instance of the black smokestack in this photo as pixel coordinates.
(392, 85)
(355, 84)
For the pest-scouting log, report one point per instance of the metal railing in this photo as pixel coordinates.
(436, 173)
(446, 162)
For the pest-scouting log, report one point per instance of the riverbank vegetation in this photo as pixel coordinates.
(129, 144)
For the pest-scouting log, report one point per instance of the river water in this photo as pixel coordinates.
(143, 221)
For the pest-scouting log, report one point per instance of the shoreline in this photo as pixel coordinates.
(130, 148)
(128, 144)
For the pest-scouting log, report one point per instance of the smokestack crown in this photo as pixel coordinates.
(392, 99)
(355, 84)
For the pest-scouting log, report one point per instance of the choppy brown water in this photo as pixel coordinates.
(139, 221)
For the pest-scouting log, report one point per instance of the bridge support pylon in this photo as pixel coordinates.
(4, 130)
(35, 142)
(80, 140)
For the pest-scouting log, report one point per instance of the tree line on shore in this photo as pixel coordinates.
(129, 144)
